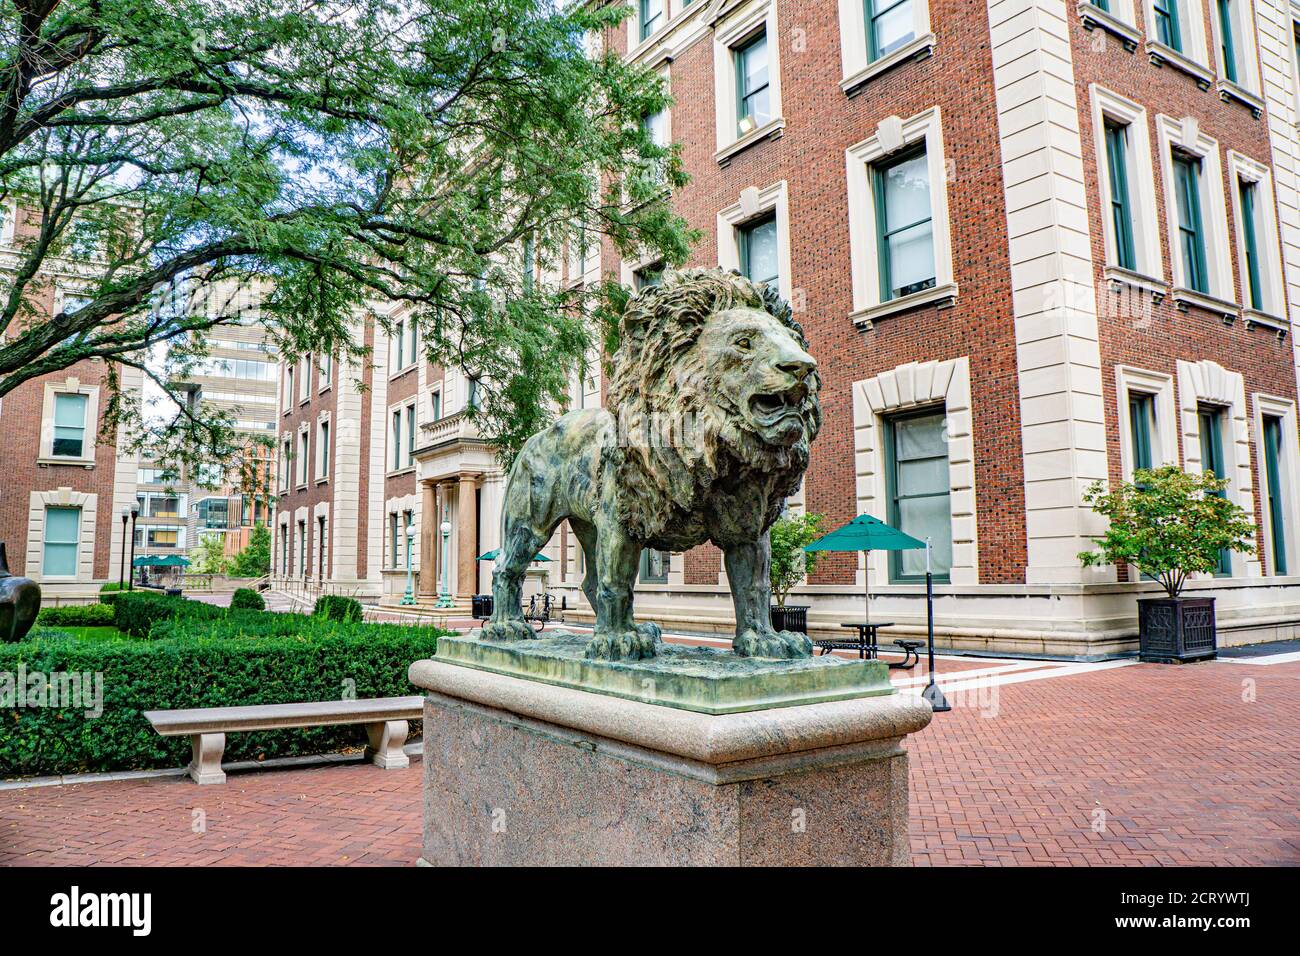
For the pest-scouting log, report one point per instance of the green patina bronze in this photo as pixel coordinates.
(711, 409)
(706, 680)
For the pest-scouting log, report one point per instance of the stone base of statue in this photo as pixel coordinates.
(534, 755)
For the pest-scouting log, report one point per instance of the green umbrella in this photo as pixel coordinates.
(173, 561)
(865, 533)
(492, 556)
(145, 561)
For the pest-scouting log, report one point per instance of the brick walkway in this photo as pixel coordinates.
(1173, 761)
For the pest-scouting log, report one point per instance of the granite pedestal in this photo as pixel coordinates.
(533, 756)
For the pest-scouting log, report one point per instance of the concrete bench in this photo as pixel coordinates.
(386, 720)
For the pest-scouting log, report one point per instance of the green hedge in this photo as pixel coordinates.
(137, 611)
(77, 615)
(246, 599)
(243, 659)
(337, 608)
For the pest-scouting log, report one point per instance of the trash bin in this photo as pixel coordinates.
(790, 618)
(482, 606)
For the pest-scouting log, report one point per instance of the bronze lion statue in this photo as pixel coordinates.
(712, 406)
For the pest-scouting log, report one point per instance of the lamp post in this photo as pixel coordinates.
(135, 513)
(932, 693)
(121, 572)
(409, 597)
(444, 594)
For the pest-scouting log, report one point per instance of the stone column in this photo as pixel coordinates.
(429, 520)
(467, 533)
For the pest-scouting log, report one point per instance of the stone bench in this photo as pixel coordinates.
(386, 720)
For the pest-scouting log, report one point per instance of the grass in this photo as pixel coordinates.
(105, 633)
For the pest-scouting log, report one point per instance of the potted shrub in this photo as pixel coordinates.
(790, 562)
(1169, 525)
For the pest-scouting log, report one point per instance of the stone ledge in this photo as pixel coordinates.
(709, 739)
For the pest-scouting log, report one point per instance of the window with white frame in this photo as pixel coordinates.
(303, 459)
(323, 449)
(61, 540)
(397, 345)
(1176, 35)
(876, 35)
(652, 14)
(1126, 184)
(304, 379)
(395, 462)
(1278, 453)
(1146, 410)
(326, 370)
(656, 126)
(286, 464)
(8, 217)
(1259, 255)
(410, 436)
(288, 386)
(1196, 212)
(435, 404)
(754, 236)
(747, 76)
(899, 239)
(69, 425)
(1235, 49)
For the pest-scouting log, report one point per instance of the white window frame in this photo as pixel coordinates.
(304, 457)
(752, 204)
(1207, 382)
(1195, 59)
(892, 135)
(1185, 134)
(1271, 279)
(1278, 407)
(853, 43)
(324, 450)
(38, 501)
(325, 372)
(1164, 437)
(738, 26)
(1247, 87)
(89, 444)
(304, 379)
(9, 223)
(1142, 189)
(436, 392)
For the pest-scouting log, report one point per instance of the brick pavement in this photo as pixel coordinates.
(1185, 770)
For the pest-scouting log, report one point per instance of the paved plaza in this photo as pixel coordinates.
(1039, 763)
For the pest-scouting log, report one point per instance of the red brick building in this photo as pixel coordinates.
(64, 484)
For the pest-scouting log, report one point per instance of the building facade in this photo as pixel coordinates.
(1034, 244)
(65, 486)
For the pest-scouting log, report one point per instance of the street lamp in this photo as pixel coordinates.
(121, 571)
(409, 597)
(444, 596)
(938, 703)
(135, 513)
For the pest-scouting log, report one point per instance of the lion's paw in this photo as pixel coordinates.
(631, 645)
(509, 630)
(783, 645)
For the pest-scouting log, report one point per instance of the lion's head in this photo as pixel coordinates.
(712, 377)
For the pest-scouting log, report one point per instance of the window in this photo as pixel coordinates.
(1121, 211)
(304, 378)
(392, 539)
(652, 16)
(1227, 45)
(435, 405)
(1210, 421)
(1141, 417)
(1191, 229)
(8, 212)
(286, 464)
(756, 243)
(916, 456)
(890, 25)
(302, 548)
(164, 537)
(323, 450)
(530, 263)
(472, 397)
(412, 335)
(408, 519)
(397, 439)
(320, 547)
(302, 458)
(904, 225)
(1273, 472)
(62, 534)
(656, 129)
(647, 277)
(410, 435)
(1168, 23)
(1250, 239)
(654, 566)
(326, 370)
(753, 95)
(399, 340)
(164, 506)
(288, 386)
(69, 424)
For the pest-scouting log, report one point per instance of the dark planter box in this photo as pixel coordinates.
(790, 618)
(482, 606)
(1176, 630)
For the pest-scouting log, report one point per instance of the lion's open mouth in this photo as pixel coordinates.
(769, 408)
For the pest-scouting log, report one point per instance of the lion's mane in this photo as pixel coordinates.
(677, 436)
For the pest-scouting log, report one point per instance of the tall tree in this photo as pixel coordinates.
(355, 153)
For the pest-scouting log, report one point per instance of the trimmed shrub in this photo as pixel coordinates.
(77, 615)
(334, 607)
(245, 658)
(136, 611)
(246, 599)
